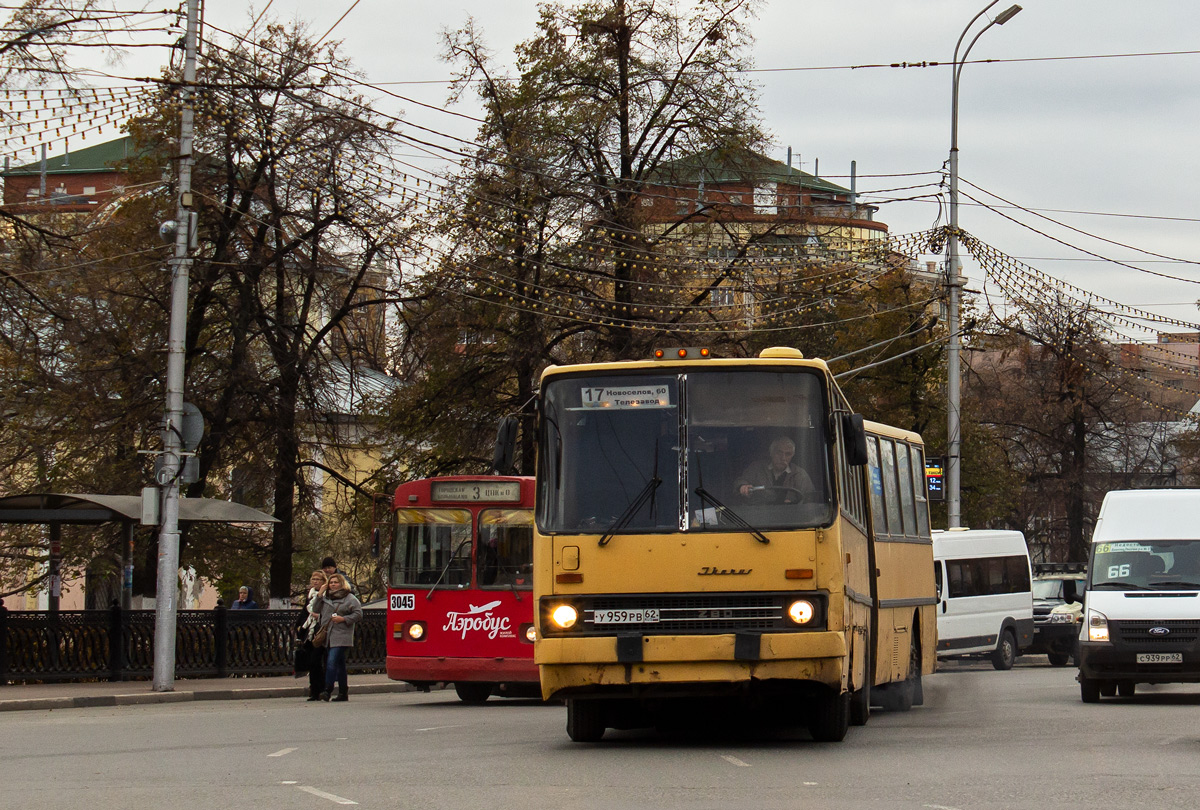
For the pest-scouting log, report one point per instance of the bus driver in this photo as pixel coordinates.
(775, 479)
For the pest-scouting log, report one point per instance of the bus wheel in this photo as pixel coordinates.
(1126, 688)
(860, 699)
(1005, 654)
(1089, 689)
(469, 692)
(585, 720)
(830, 718)
(914, 671)
(1059, 659)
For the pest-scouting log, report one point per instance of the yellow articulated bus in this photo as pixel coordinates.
(726, 528)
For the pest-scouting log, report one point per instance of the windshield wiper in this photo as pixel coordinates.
(734, 517)
(1119, 586)
(1176, 583)
(631, 510)
(450, 562)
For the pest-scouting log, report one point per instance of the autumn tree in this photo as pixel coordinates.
(544, 256)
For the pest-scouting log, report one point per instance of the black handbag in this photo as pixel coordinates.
(302, 659)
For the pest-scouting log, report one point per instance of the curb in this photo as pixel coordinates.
(185, 696)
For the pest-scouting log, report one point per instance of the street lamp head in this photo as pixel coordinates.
(1007, 14)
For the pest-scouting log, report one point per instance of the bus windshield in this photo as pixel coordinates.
(706, 450)
(1146, 564)
(432, 546)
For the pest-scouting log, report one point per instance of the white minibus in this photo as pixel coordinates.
(985, 605)
(1141, 621)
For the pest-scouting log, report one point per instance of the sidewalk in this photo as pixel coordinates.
(20, 696)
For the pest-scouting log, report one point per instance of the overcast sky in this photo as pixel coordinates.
(1089, 136)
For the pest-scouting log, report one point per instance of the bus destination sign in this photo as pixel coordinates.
(626, 396)
(484, 491)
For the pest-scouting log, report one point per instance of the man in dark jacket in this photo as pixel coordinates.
(245, 600)
(329, 566)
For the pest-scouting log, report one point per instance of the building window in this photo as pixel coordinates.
(766, 199)
(721, 296)
(89, 191)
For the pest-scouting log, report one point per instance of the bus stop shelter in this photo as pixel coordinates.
(54, 510)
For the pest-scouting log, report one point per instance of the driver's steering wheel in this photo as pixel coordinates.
(771, 495)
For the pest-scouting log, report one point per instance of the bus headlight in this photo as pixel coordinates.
(528, 633)
(564, 616)
(1097, 626)
(801, 611)
(415, 631)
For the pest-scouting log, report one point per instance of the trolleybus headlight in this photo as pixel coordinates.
(415, 631)
(564, 616)
(528, 633)
(801, 611)
(1097, 626)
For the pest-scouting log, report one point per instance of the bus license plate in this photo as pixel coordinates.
(1160, 658)
(640, 616)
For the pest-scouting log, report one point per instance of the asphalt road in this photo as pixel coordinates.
(984, 739)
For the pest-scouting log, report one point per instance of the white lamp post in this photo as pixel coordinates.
(955, 281)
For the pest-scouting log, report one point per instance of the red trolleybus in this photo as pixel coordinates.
(460, 601)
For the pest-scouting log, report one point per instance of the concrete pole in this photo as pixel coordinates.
(168, 537)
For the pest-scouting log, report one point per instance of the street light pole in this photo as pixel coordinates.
(955, 282)
(169, 471)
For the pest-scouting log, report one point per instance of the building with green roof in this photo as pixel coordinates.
(73, 182)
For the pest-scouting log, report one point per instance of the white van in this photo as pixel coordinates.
(1142, 608)
(985, 606)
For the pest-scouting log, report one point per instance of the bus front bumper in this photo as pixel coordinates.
(611, 665)
(426, 670)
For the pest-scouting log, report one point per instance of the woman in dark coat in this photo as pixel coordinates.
(340, 611)
(310, 621)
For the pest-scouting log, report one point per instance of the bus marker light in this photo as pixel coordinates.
(801, 611)
(568, 579)
(798, 573)
(565, 616)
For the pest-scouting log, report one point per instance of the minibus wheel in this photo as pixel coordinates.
(1089, 689)
(1005, 654)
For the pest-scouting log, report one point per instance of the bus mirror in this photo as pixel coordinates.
(854, 436)
(375, 542)
(506, 443)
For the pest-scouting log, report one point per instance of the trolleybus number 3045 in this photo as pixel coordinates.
(640, 616)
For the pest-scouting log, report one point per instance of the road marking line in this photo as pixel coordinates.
(735, 761)
(939, 807)
(291, 782)
(282, 753)
(437, 728)
(324, 795)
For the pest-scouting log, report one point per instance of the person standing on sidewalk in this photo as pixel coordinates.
(341, 610)
(308, 628)
(330, 567)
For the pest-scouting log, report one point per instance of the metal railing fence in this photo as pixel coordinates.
(116, 644)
